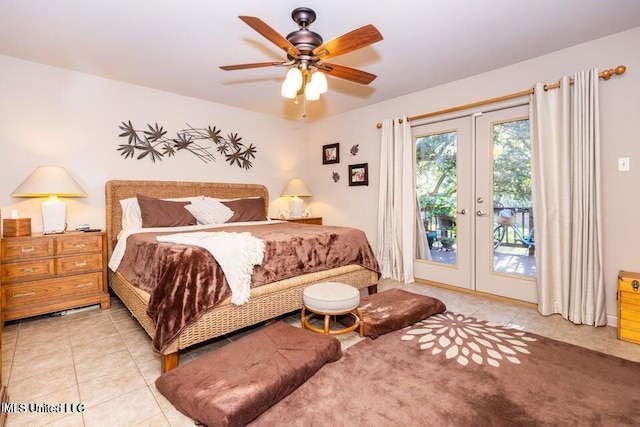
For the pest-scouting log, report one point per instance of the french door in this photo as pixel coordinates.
(474, 191)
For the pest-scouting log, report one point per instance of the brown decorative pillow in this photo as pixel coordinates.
(394, 309)
(163, 213)
(250, 209)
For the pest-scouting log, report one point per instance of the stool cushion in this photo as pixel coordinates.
(331, 297)
(234, 384)
(394, 309)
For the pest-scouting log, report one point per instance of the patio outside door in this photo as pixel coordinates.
(474, 190)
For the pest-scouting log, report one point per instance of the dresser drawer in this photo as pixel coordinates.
(21, 271)
(78, 263)
(78, 243)
(21, 248)
(49, 290)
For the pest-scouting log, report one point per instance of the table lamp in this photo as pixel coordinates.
(51, 182)
(295, 189)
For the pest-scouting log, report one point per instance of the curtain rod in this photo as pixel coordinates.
(606, 75)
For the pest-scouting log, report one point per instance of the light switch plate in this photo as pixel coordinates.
(623, 164)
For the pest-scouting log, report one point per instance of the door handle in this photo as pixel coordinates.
(463, 212)
(480, 213)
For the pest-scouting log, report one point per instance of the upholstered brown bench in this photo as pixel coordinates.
(234, 384)
(394, 309)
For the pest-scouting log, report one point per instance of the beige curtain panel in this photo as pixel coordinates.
(565, 140)
(396, 203)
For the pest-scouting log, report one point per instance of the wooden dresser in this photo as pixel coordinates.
(629, 306)
(47, 273)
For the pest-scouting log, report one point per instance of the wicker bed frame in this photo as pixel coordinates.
(266, 302)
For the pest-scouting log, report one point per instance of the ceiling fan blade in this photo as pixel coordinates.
(270, 34)
(348, 73)
(356, 39)
(254, 65)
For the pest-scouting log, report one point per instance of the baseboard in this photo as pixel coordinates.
(612, 320)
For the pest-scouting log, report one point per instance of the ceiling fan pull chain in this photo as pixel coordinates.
(304, 107)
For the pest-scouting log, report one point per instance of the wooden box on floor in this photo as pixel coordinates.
(629, 306)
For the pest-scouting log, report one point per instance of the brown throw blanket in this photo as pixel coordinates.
(186, 281)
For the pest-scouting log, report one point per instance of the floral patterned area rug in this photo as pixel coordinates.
(454, 370)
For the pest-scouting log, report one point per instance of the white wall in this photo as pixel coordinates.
(58, 117)
(620, 130)
(50, 116)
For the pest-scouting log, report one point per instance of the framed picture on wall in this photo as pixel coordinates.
(331, 153)
(359, 174)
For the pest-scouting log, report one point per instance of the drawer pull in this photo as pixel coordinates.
(80, 245)
(84, 285)
(24, 294)
(81, 264)
(28, 270)
(635, 285)
(27, 250)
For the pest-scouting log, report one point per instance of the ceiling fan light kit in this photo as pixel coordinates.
(306, 55)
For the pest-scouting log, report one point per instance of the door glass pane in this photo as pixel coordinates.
(436, 182)
(513, 228)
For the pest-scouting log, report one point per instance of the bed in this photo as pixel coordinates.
(266, 302)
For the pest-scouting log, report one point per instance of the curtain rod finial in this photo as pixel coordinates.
(606, 74)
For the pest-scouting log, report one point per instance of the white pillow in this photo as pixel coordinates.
(209, 211)
(131, 215)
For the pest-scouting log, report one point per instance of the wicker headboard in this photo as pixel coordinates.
(121, 189)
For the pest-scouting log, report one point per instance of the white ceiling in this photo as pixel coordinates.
(178, 45)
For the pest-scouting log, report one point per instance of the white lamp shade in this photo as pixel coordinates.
(47, 181)
(50, 181)
(295, 189)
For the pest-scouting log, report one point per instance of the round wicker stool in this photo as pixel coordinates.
(331, 299)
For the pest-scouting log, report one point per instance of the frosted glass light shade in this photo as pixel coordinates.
(319, 81)
(288, 91)
(294, 78)
(50, 181)
(311, 93)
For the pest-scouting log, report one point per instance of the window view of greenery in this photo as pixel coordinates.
(512, 164)
(436, 183)
(513, 211)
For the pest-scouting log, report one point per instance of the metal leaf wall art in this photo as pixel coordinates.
(154, 144)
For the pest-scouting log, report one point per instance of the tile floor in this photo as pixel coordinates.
(103, 358)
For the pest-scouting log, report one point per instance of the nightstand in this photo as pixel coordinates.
(46, 273)
(316, 220)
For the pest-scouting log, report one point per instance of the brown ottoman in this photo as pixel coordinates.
(394, 309)
(234, 384)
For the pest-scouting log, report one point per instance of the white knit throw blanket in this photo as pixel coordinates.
(236, 253)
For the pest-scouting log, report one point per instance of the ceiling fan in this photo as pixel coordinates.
(306, 54)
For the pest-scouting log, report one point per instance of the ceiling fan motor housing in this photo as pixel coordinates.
(303, 39)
